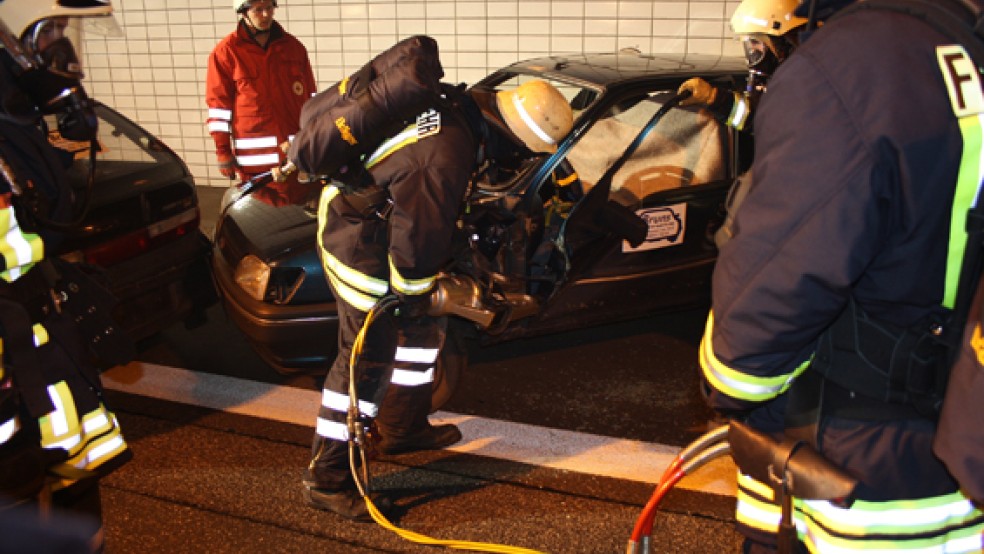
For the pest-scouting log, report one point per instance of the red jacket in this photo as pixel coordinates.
(254, 96)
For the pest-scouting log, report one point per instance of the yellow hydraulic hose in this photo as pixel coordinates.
(357, 438)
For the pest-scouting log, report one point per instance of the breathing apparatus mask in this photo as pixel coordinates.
(47, 69)
(764, 53)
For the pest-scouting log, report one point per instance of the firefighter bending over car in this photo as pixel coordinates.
(391, 233)
(259, 77)
(57, 437)
(827, 299)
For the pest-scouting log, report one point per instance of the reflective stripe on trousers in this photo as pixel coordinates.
(357, 292)
(90, 440)
(413, 367)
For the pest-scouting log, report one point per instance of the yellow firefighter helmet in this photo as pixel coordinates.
(537, 113)
(770, 17)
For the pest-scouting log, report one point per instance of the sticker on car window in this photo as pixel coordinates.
(667, 225)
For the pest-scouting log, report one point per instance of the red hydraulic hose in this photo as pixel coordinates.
(707, 447)
(644, 524)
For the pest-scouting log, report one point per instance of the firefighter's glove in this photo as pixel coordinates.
(227, 166)
(413, 306)
(701, 92)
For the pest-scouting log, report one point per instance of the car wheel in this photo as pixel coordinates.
(451, 365)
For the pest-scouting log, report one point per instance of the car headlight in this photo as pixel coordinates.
(253, 274)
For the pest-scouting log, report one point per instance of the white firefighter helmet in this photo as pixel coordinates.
(20, 15)
(241, 6)
(537, 113)
(770, 17)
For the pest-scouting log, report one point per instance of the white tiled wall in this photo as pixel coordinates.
(156, 73)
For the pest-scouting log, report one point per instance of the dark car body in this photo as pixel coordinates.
(141, 228)
(550, 270)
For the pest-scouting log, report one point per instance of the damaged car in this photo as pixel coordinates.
(530, 259)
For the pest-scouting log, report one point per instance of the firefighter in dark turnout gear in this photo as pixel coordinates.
(57, 437)
(840, 270)
(769, 33)
(395, 243)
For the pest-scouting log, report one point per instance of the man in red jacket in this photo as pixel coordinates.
(259, 77)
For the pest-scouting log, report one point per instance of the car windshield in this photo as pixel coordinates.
(686, 147)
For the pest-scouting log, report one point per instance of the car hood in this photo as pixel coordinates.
(269, 232)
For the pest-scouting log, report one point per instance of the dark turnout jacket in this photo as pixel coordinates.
(858, 151)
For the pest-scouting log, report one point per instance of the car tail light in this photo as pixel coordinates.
(133, 244)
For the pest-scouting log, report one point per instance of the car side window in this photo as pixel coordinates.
(685, 148)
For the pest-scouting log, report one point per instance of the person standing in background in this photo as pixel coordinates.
(259, 77)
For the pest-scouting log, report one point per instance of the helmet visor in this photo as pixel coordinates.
(105, 25)
(756, 47)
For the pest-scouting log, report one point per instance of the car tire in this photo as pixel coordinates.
(451, 365)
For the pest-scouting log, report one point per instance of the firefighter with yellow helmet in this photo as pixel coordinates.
(829, 302)
(768, 31)
(397, 244)
(57, 437)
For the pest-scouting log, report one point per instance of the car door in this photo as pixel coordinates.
(675, 181)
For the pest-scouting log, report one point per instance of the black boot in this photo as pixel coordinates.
(329, 486)
(346, 502)
(403, 423)
(431, 437)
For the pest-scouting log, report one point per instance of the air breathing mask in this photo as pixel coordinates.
(47, 69)
(764, 53)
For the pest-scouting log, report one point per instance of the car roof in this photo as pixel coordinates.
(611, 69)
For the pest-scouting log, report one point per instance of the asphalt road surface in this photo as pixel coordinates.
(564, 440)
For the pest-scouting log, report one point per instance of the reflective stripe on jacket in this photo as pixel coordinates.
(739, 384)
(19, 250)
(255, 94)
(741, 111)
(425, 171)
(352, 285)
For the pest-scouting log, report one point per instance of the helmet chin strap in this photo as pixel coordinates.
(811, 17)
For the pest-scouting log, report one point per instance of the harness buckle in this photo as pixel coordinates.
(383, 211)
(58, 298)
